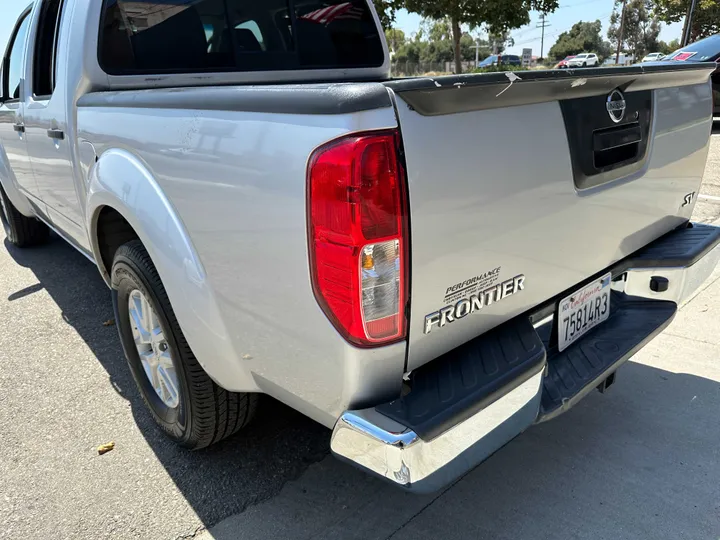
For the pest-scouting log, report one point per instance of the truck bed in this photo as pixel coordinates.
(493, 195)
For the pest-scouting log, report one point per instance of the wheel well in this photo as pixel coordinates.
(113, 231)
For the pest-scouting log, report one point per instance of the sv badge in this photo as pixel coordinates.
(688, 199)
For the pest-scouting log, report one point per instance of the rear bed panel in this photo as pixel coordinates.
(496, 199)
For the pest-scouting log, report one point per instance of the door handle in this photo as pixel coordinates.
(56, 134)
(19, 128)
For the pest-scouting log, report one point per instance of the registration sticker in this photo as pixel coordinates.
(683, 56)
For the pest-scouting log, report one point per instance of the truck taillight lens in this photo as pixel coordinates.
(357, 227)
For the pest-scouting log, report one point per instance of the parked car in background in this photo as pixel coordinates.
(584, 60)
(705, 50)
(562, 64)
(505, 59)
(653, 57)
(621, 60)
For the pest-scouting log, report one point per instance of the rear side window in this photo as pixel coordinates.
(45, 58)
(185, 36)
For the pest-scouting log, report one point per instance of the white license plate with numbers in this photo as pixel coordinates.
(583, 310)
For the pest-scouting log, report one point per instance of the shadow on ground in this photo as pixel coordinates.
(716, 127)
(219, 481)
(640, 462)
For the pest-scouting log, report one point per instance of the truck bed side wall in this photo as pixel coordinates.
(236, 180)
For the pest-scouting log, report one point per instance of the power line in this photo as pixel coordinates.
(558, 32)
(521, 33)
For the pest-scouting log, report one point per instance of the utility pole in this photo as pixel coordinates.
(477, 51)
(622, 29)
(688, 23)
(543, 24)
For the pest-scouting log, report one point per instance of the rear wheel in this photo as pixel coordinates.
(21, 231)
(187, 405)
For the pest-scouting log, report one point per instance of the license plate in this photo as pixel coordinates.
(583, 310)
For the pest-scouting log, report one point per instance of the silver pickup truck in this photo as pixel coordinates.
(427, 266)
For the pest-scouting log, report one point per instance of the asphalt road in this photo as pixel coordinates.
(642, 461)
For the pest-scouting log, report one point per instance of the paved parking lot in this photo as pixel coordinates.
(642, 461)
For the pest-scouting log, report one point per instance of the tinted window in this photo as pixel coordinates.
(15, 71)
(156, 36)
(46, 48)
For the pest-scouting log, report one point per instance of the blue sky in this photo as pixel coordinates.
(570, 12)
(9, 13)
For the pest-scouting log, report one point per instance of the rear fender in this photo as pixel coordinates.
(121, 181)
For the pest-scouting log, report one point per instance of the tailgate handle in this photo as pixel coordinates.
(607, 140)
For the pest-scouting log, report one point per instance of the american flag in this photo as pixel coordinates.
(326, 15)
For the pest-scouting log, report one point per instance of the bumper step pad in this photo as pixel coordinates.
(459, 384)
(682, 247)
(583, 366)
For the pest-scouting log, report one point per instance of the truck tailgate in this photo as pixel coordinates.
(540, 183)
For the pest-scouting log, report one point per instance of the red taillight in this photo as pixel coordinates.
(357, 228)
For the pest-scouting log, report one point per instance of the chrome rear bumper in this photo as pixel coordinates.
(380, 445)
(680, 262)
(682, 282)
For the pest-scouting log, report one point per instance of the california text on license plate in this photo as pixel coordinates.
(583, 310)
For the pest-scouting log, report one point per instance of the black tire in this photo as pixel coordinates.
(584, 64)
(21, 231)
(206, 413)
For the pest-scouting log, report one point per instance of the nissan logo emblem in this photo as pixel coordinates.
(616, 106)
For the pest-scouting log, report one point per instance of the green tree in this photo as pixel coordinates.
(435, 30)
(410, 52)
(439, 37)
(440, 51)
(641, 28)
(433, 44)
(386, 11)
(498, 16)
(667, 48)
(706, 18)
(582, 37)
(395, 38)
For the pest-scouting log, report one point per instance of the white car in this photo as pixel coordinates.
(584, 60)
(653, 57)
